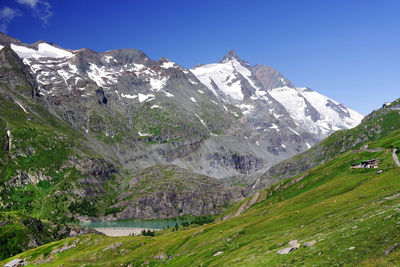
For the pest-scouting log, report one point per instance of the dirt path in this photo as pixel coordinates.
(244, 206)
(395, 158)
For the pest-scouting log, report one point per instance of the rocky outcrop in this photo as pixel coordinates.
(244, 164)
(95, 171)
(293, 245)
(16, 74)
(167, 192)
(27, 177)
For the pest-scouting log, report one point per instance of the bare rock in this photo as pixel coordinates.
(113, 246)
(73, 233)
(285, 250)
(161, 256)
(388, 217)
(390, 249)
(294, 244)
(309, 244)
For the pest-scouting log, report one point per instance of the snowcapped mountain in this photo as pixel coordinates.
(224, 119)
(236, 82)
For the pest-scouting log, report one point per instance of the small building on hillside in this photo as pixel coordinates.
(368, 164)
(386, 104)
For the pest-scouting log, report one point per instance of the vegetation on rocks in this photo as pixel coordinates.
(19, 232)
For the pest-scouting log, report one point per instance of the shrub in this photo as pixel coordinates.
(147, 233)
(200, 220)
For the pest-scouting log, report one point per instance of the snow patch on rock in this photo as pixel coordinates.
(44, 50)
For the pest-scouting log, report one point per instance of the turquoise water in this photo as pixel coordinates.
(154, 224)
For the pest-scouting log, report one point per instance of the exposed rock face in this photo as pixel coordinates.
(79, 182)
(269, 77)
(285, 251)
(169, 191)
(16, 74)
(244, 164)
(25, 178)
(94, 170)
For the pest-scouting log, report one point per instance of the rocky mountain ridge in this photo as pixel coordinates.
(222, 120)
(50, 170)
(234, 80)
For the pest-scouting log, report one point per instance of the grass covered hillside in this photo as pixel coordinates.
(19, 232)
(351, 214)
(44, 164)
(375, 126)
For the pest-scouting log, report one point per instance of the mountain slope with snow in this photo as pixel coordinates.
(240, 84)
(226, 119)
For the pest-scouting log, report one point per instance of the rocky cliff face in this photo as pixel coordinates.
(167, 192)
(16, 74)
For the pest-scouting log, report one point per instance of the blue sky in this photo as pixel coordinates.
(348, 50)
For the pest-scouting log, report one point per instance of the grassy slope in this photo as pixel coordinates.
(375, 126)
(18, 232)
(41, 144)
(338, 207)
(49, 146)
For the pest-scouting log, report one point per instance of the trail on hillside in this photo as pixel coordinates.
(247, 204)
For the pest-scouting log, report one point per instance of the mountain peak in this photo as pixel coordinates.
(229, 56)
(7, 40)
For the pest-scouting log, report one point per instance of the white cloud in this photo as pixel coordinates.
(31, 3)
(41, 9)
(7, 14)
